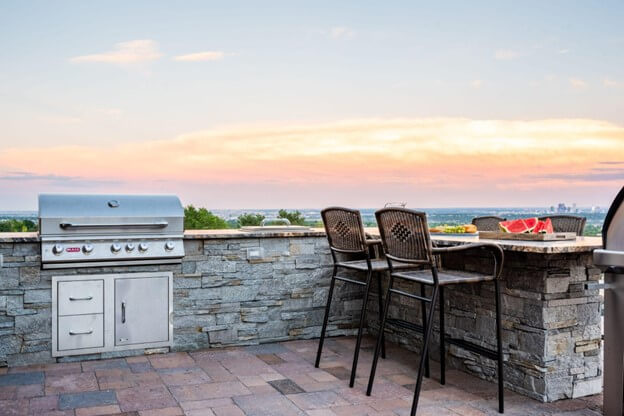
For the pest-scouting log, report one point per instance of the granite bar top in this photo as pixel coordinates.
(580, 245)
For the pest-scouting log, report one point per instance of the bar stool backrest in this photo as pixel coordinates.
(567, 223)
(405, 235)
(488, 222)
(344, 228)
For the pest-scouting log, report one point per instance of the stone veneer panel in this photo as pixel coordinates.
(551, 323)
(220, 297)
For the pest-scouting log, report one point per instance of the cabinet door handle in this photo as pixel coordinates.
(81, 332)
(84, 298)
(123, 312)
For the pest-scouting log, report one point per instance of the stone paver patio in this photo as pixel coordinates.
(274, 379)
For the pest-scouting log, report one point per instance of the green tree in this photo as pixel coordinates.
(202, 219)
(250, 219)
(295, 217)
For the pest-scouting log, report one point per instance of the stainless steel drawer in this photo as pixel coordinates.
(80, 331)
(80, 297)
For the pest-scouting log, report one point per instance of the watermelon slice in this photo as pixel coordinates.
(544, 227)
(522, 225)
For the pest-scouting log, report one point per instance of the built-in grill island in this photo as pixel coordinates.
(96, 312)
(611, 260)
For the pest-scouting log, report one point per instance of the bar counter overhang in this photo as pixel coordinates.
(243, 288)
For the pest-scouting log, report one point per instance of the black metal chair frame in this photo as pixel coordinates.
(490, 221)
(358, 244)
(567, 223)
(418, 251)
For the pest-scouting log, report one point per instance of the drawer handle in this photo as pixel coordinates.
(89, 332)
(85, 298)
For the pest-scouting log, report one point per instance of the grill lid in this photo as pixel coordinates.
(68, 215)
(613, 228)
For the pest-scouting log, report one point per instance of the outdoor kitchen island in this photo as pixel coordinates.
(242, 288)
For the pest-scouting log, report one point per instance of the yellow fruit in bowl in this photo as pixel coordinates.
(470, 228)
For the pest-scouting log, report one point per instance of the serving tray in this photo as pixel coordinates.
(497, 235)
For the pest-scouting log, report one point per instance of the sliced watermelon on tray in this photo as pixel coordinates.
(544, 227)
(527, 225)
(522, 225)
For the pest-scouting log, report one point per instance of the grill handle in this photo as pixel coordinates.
(157, 224)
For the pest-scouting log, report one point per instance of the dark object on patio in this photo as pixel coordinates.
(488, 222)
(611, 261)
(406, 241)
(345, 233)
(567, 223)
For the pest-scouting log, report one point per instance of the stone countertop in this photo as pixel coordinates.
(19, 237)
(580, 245)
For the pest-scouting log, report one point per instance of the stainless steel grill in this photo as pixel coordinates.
(611, 260)
(109, 230)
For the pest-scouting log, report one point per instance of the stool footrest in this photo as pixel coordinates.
(405, 324)
(467, 345)
(477, 349)
(409, 295)
(355, 282)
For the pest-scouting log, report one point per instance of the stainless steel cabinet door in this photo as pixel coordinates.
(141, 310)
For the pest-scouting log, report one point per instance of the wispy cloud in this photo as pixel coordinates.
(201, 56)
(563, 51)
(611, 83)
(341, 32)
(506, 55)
(477, 83)
(577, 83)
(592, 176)
(60, 120)
(434, 158)
(77, 181)
(130, 52)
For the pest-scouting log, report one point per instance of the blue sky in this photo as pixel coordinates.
(294, 62)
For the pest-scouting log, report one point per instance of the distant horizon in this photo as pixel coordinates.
(579, 207)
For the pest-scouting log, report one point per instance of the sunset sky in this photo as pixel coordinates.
(306, 104)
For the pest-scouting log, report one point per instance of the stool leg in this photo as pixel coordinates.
(423, 356)
(362, 319)
(499, 344)
(424, 324)
(380, 299)
(382, 326)
(325, 319)
(442, 340)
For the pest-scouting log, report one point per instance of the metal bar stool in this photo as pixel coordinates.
(406, 241)
(345, 234)
(567, 223)
(487, 222)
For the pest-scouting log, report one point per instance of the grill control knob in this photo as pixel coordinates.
(143, 247)
(57, 249)
(87, 248)
(169, 245)
(116, 248)
(130, 247)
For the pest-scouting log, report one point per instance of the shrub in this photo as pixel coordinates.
(17, 226)
(250, 219)
(202, 219)
(295, 218)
